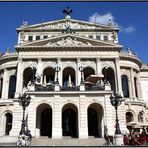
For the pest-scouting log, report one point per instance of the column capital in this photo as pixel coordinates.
(39, 60)
(20, 59)
(117, 59)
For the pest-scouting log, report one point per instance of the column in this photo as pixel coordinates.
(5, 84)
(118, 76)
(130, 88)
(132, 83)
(139, 87)
(19, 79)
(98, 66)
(40, 70)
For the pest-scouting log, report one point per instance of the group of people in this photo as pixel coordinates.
(134, 138)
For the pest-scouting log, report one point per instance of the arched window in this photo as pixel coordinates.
(135, 84)
(1, 86)
(140, 116)
(12, 86)
(8, 125)
(125, 88)
(129, 117)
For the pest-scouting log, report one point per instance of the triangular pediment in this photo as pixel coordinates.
(68, 40)
(64, 23)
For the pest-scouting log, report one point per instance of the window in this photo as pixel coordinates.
(125, 86)
(98, 37)
(105, 38)
(45, 37)
(90, 36)
(135, 83)
(37, 37)
(30, 38)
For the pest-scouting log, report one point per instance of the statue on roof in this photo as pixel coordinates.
(68, 12)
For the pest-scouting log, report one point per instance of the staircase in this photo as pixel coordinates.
(67, 141)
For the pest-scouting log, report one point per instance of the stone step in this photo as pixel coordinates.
(67, 141)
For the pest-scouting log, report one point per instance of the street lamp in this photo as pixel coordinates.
(81, 68)
(57, 69)
(116, 101)
(24, 101)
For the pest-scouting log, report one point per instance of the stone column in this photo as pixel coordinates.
(57, 118)
(19, 79)
(130, 88)
(98, 66)
(78, 72)
(139, 87)
(40, 69)
(132, 83)
(5, 88)
(82, 118)
(118, 76)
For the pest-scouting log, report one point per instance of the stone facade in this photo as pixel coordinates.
(46, 66)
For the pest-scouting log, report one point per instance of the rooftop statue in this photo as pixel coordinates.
(68, 12)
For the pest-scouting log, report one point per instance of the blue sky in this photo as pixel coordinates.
(131, 17)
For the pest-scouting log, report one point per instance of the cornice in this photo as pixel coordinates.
(132, 58)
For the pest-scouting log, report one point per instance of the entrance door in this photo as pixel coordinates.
(69, 123)
(92, 122)
(8, 123)
(46, 123)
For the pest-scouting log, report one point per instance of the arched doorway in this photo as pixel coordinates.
(109, 75)
(44, 120)
(8, 125)
(88, 71)
(95, 115)
(70, 120)
(69, 78)
(27, 76)
(49, 75)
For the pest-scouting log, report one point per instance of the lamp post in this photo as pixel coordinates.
(116, 100)
(57, 69)
(81, 68)
(24, 101)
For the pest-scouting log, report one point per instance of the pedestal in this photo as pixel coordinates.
(119, 139)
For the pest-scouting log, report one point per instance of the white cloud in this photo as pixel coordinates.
(129, 29)
(104, 19)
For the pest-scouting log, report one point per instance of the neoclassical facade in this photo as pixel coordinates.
(53, 63)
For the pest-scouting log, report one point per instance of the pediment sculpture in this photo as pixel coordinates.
(68, 42)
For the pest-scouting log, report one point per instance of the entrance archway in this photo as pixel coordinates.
(95, 115)
(70, 120)
(8, 125)
(44, 120)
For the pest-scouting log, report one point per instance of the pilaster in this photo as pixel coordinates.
(56, 118)
(83, 125)
(98, 65)
(78, 72)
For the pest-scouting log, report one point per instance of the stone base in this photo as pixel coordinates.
(119, 139)
(8, 139)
